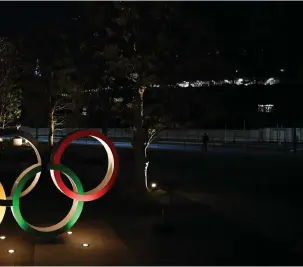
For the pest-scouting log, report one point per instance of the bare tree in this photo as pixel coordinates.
(10, 93)
(60, 104)
(61, 109)
(154, 118)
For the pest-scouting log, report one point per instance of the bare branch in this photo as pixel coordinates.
(152, 133)
(5, 77)
(66, 106)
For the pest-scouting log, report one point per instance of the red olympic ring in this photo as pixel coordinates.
(112, 173)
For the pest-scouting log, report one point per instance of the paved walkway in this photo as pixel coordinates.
(215, 229)
(124, 234)
(105, 247)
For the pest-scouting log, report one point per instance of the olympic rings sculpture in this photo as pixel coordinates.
(55, 167)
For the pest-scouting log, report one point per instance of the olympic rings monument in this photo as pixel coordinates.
(77, 194)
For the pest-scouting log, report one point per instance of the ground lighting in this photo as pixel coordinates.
(153, 185)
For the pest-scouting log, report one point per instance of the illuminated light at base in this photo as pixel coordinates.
(153, 185)
(2, 237)
(69, 232)
(112, 168)
(85, 245)
(11, 251)
(63, 225)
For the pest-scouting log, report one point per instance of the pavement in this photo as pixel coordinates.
(117, 235)
(126, 234)
(105, 247)
(240, 211)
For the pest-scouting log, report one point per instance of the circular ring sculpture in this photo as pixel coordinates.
(112, 168)
(77, 194)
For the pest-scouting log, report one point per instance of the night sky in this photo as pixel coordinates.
(239, 33)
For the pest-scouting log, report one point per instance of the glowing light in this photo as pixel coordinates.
(2, 237)
(85, 245)
(267, 108)
(11, 251)
(239, 81)
(271, 81)
(84, 111)
(183, 84)
(282, 70)
(206, 83)
(118, 99)
(69, 232)
(153, 185)
(17, 141)
(197, 84)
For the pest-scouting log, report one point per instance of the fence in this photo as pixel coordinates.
(278, 135)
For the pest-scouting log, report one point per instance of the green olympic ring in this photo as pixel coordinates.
(63, 225)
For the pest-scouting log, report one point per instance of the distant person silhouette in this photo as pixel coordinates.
(205, 140)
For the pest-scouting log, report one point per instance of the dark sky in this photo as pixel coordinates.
(250, 31)
(231, 19)
(21, 17)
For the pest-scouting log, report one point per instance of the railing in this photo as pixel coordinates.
(194, 144)
(220, 136)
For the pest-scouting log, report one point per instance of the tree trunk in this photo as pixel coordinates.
(51, 127)
(141, 165)
(141, 162)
